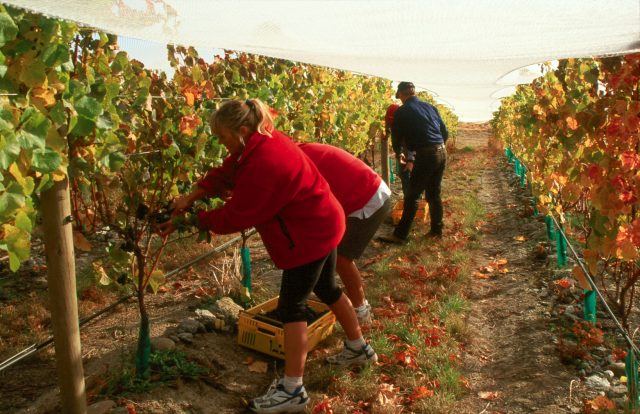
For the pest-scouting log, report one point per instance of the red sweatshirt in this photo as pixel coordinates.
(280, 192)
(351, 180)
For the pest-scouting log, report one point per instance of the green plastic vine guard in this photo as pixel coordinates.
(143, 352)
(523, 175)
(392, 177)
(561, 247)
(245, 254)
(631, 368)
(590, 306)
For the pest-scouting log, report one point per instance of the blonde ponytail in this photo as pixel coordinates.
(252, 113)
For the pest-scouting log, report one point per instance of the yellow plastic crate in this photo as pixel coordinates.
(421, 214)
(269, 339)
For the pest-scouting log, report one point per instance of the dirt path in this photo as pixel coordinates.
(510, 350)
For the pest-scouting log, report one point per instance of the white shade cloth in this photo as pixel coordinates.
(466, 52)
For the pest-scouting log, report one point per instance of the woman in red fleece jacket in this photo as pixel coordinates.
(365, 200)
(277, 189)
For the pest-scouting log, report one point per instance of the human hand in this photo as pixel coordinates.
(403, 159)
(408, 166)
(166, 228)
(182, 204)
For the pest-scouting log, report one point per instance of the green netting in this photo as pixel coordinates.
(590, 306)
(561, 248)
(392, 177)
(550, 227)
(245, 254)
(631, 369)
(144, 350)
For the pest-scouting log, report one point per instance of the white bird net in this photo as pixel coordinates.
(468, 53)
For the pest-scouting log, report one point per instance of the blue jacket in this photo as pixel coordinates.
(418, 124)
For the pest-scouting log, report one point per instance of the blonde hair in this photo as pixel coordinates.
(252, 113)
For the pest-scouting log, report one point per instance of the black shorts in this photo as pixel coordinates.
(298, 283)
(359, 232)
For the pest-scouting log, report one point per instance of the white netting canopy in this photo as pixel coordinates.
(466, 52)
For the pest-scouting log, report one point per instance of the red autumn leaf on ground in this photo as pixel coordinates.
(433, 337)
(323, 407)
(406, 359)
(599, 404)
(419, 393)
(564, 283)
(131, 409)
(619, 354)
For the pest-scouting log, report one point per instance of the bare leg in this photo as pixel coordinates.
(295, 348)
(348, 272)
(347, 317)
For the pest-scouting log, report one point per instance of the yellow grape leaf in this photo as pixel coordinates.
(504, 270)
(259, 367)
(520, 238)
(80, 242)
(578, 274)
(572, 123)
(500, 262)
(190, 98)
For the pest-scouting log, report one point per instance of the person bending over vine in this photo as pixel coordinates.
(279, 191)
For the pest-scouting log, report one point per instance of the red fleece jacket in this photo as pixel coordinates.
(280, 192)
(351, 180)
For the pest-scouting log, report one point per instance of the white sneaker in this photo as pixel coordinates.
(278, 400)
(364, 314)
(350, 356)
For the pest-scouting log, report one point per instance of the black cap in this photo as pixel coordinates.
(403, 86)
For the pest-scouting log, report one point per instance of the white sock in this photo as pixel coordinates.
(291, 384)
(363, 307)
(356, 344)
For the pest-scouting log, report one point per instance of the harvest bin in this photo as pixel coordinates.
(269, 339)
(421, 214)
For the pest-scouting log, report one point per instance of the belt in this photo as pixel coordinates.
(430, 147)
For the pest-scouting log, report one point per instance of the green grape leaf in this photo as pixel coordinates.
(9, 149)
(55, 54)
(34, 129)
(45, 160)
(82, 126)
(23, 222)
(8, 29)
(88, 107)
(114, 161)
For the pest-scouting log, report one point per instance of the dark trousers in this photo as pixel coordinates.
(404, 177)
(426, 176)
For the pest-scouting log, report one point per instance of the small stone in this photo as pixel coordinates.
(162, 344)
(229, 310)
(201, 328)
(597, 383)
(174, 338)
(608, 374)
(619, 390)
(101, 407)
(618, 369)
(186, 337)
(188, 325)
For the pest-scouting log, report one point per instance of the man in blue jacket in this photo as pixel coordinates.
(423, 134)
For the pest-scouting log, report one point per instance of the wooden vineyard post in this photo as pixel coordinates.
(61, 276)
(384, 159)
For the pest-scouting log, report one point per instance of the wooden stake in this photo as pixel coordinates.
(61, 275)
